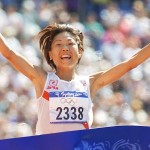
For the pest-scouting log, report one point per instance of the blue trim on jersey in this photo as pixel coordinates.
(68, 94)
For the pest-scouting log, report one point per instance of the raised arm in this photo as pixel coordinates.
(22, 65)
(101, 79)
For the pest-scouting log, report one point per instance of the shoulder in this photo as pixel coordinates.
(41, 76)
(94, 77)
(41, 72)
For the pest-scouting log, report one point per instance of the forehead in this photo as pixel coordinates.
(64, 35)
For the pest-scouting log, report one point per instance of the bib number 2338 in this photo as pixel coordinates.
(68, 109)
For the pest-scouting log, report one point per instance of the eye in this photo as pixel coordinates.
(71, 43)
(58, 44)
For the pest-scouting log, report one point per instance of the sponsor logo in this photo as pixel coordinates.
(53, 84)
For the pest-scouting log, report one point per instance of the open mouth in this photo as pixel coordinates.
(65, 57)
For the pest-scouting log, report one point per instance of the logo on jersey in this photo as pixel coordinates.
(68, 101)
(53, 84)
(83, 82)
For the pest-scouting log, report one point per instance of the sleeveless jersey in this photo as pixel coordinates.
(64, 105)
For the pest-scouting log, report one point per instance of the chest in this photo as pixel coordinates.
(54, 85)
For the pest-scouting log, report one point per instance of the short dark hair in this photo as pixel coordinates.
(46, 37)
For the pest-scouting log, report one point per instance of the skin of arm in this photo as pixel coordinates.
(36, 75)
(100, 79)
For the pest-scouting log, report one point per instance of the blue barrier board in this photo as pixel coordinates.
(107, 138)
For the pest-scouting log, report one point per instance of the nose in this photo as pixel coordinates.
(65, 48)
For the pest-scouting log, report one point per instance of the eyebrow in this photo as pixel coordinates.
(61, 40)
(57, 40)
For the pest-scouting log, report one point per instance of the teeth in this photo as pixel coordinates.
(65, 56)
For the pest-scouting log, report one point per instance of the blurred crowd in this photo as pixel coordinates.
(114, 30)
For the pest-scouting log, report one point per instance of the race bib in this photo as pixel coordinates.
(68, 107)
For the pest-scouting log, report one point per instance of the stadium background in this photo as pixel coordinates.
(114, 30)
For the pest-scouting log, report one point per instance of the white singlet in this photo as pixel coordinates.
(64, 105)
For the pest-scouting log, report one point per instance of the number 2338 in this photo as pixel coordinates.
(68, 113)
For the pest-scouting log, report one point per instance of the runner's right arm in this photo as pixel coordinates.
(34, 73)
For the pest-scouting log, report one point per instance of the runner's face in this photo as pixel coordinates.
(64, 50)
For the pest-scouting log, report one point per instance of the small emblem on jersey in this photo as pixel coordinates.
(53, 84)
(83, 82)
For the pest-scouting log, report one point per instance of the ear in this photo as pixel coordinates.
(80, 52)
(50, 55)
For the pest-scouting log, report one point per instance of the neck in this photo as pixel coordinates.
(67, 75)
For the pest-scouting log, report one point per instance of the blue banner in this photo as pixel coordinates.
(68, 94)
(108, 138)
